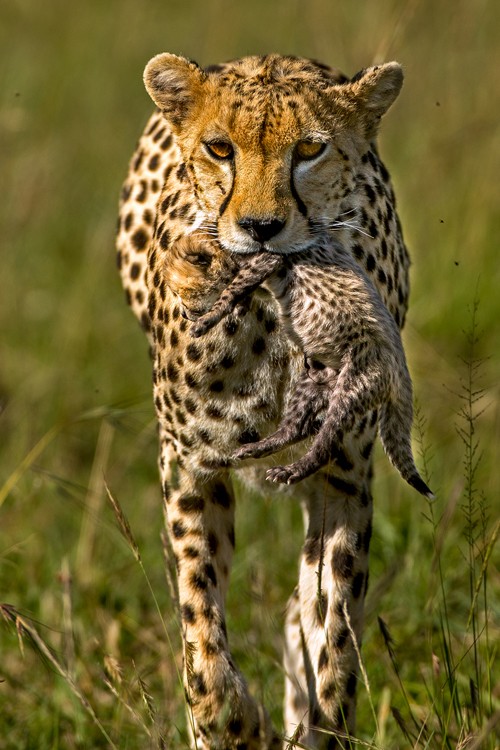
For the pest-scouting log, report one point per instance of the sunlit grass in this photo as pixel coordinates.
(71, 107)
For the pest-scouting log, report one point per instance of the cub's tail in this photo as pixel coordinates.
(395, 433)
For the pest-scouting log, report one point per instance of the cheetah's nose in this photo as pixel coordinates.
(261, 230)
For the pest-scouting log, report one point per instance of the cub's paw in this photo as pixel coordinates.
(201, 326)
(249, 450)
(283, 475)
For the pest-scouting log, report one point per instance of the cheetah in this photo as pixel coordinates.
(331, 309)
(260, 154)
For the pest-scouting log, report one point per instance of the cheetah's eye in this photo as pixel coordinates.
(220, 149)
(199, 259)
(305, 150)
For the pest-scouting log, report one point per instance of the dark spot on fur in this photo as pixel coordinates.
(357, 584)
(346, 488)
(370, 262)
(193, 352)
(329, 691)
(358, 251)
(248, 436)
(172, 372)
(138, 160)
(187, 613)
(333, 744)
(366, 450)
(270, 325)
(190, 406)
(199, 581)
(227, 362)
(165, 144)
(179, 415)
(323, 659)
(365, 498)
(235, 726)
(198, 683)
(351, 684)
(190, 380)
(230, 327)
(312, 549)
(140, 239)
(135, 271)
(153, 162)
(205, 437)
(342, 563)
(211, 649)
(164, 239)
(340, 639)
(213, 543)
(338, 455)
(213, 412)
(191, 503)
(370, 194)
(210, 573)
(216, 386)
(178, 529)
(366, 537)
(321, 606)
(143, 192)
(221, 496)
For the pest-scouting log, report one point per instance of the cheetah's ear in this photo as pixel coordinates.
(173, 83)
(375, 89)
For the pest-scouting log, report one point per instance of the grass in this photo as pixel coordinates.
(75, 400)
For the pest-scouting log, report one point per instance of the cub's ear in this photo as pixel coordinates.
(374, 90)
(173, 83)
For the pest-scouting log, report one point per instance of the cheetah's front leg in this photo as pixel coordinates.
(200, 521)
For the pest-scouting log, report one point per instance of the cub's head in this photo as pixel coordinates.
(271, 144)
(196, 269)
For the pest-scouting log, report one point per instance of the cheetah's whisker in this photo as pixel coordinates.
(341, 224)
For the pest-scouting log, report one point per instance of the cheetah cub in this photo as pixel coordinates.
(354, 357)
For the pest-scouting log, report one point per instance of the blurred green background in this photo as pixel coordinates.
(75, 378)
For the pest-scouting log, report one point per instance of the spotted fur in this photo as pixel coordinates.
(266, 116)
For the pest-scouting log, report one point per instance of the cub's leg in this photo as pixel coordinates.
(254, 270)
(356, 391)
(299, 420)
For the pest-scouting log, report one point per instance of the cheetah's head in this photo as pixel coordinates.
(271, 144)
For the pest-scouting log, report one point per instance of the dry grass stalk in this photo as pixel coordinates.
(67, 605)
(93, 501)
(124, 524)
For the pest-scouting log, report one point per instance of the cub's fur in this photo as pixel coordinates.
(354, 356)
